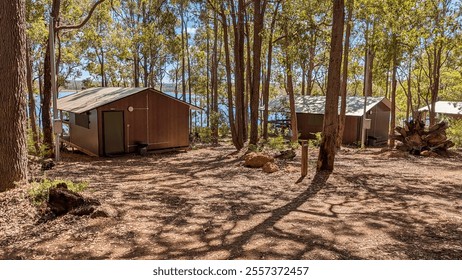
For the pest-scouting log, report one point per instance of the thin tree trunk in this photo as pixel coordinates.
(266, 87)
(259, 14)
(183, 55)
(343, 88)
(13, 148)
(391, 140)
(214, 80)
(328, 145)
(30, 90)
(239, 37)
(232, 124)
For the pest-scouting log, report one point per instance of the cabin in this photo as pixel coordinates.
(114, 120)
(450, 109)
(310, 117)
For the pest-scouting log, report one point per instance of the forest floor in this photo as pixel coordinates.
(204, 204)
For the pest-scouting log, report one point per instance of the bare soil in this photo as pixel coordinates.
(204, 204)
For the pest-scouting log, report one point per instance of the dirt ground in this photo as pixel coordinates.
(203, 204)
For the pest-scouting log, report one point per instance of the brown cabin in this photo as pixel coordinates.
(310, 117)
(448, 109)
(109, 121)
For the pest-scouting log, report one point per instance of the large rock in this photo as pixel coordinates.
(270, 167)
(257, 160)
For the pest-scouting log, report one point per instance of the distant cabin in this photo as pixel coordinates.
(310, 117)
(449, 109)
(109, 121)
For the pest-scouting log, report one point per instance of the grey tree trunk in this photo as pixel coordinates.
(13, 149)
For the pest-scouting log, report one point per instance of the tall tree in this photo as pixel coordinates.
(46, 102)
(328, 145)
(343, 88)
(13, 150)
(258, 18)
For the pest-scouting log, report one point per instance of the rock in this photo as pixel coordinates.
(257, 160)
(105, 212)
(270, 167)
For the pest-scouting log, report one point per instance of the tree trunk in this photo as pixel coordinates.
(13, 148)
(214, 81)
(391, 141)
(259, 14)
(232, 124)
(343, 88)
(46, 102)
(183, 55)
(266, 87)
(239, 38)
(30, 90)
(327, 148)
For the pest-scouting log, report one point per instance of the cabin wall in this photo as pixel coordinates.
(169, 123)
(156, 120)
(352, 131)
(86, 138)
(380, 122)
(309, 124)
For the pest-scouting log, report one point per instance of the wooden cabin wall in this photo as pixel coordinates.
(380, 122)
(157, 120)
(169, 123)
(86, 138)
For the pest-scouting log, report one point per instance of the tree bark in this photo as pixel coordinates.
(391, 140)
(327, 148)
(30, 90)
(343, 88)
(232, 124)
(266, 87)
(258, 17)
(214, 81)
(239, 38)
(13, 148)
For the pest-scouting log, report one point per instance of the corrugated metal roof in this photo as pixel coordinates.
(316, 104)
(92, 98)
(446, 107)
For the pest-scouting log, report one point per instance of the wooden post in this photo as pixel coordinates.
(304, 157)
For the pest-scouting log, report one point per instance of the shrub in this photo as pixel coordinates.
(40, 190)
(276, 143)
(316, 142)
(454, 132)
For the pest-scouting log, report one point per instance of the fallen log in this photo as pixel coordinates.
(416, 139)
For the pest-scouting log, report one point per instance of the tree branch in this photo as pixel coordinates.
(77, 26)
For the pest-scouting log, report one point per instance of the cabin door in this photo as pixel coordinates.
(113, 132)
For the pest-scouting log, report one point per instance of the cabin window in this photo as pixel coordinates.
(82, 120)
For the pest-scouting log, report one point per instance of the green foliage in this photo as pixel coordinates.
(315, 142)
(40, 190)
(276, 143)
(454, 132)
(205, 134)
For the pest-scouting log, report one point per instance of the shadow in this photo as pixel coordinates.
(318, 182)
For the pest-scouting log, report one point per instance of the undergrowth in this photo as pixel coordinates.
(40, 190)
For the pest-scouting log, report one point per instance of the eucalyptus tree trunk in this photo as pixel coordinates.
(30, 90)
(237, 15)
(13, 148)
(229, 89)
(327, 148)
(343, 88)
(266, 86)
(214, 81)
(259, 14)
(391, 140)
